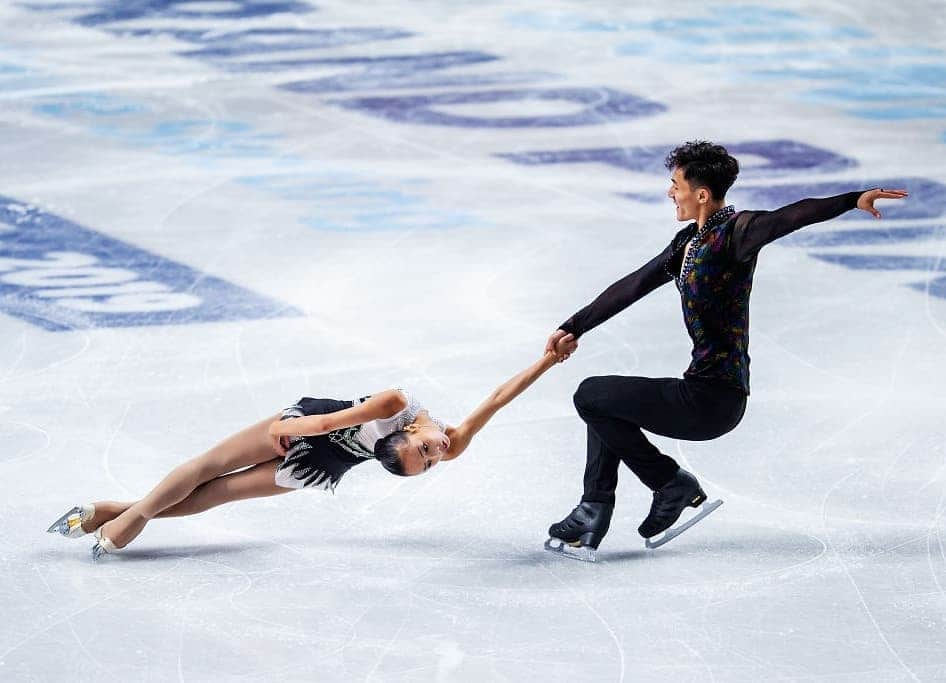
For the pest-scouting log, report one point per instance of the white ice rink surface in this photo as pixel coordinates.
(339, 237)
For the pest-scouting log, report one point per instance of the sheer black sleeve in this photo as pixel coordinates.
(620, 295)
(754, 229)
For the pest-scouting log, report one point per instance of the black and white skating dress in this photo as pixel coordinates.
(320, 461)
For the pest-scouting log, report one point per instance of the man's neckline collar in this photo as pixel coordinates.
(718, 217)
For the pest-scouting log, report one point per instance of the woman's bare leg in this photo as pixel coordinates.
(105, 511)
(251, 446)
(256, 482)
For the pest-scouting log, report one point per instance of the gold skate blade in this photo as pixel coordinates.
(67, 524)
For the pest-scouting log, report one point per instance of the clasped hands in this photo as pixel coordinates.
(562, 344)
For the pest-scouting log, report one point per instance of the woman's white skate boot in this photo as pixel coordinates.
(70, 524)
(103, 545)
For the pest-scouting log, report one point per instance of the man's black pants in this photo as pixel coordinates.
(617, 408)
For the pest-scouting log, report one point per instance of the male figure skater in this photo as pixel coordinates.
(711, 261)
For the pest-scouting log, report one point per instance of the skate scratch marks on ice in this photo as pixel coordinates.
(284, 628)
(106, 597)
(730, 493)
(32, 452)
(847, 572)
(108, 449)
(604, 622)
(932, 530)
(18, 359)
(391, 641)
(91, 657)
(929, 297)
(700, 657)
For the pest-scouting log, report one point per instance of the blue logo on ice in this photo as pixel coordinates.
(61, 276)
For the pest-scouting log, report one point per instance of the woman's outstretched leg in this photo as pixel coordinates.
(251, 446)
(255, 482)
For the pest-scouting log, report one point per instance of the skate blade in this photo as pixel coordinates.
(68, 523)
(103, 545)
(705, 510)
(583, 553)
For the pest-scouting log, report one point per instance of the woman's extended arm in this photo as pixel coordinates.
(379, 406)
(461, 436)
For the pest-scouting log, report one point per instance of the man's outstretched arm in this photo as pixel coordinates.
(754, 229)
(614, 299)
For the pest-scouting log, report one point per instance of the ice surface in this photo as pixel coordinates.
(257, 162)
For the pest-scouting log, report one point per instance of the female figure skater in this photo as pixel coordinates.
(311, 444)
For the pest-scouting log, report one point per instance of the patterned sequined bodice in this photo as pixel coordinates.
(714, 293)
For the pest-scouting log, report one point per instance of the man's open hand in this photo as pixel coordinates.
(866, 201)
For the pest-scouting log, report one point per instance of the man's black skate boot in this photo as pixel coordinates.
(585, 526)
(669, 501)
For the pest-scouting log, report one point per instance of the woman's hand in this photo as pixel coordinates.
(553, 340)
(280, 443)
(565, 347)
(562, 344)
(866, 201)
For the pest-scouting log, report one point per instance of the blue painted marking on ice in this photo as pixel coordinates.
(930, 264)
(601, 105)
(270, 40)
(644, 198)
(913, 87)
(547, 21)
(96, 104)
(349, 203)
(780, 157)
(902, 113)
(61, 276)
(371, 80)
(392, 72)
(927, 264)
(877, 93)
(716, 37)
(888, 51)
(866, 237)
(659, 48)
(213, 138)
(935, 287)
(917, 74)
(914, 90)
(110, 11)
(262, 41)
(717, 18)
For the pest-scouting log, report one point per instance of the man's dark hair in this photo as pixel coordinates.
(385, 451)
(705, 165)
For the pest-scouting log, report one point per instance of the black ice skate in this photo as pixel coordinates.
(669, 502)
(578, 535)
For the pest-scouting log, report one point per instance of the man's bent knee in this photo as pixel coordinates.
(588, 395)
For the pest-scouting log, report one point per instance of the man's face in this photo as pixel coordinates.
(685, 197)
